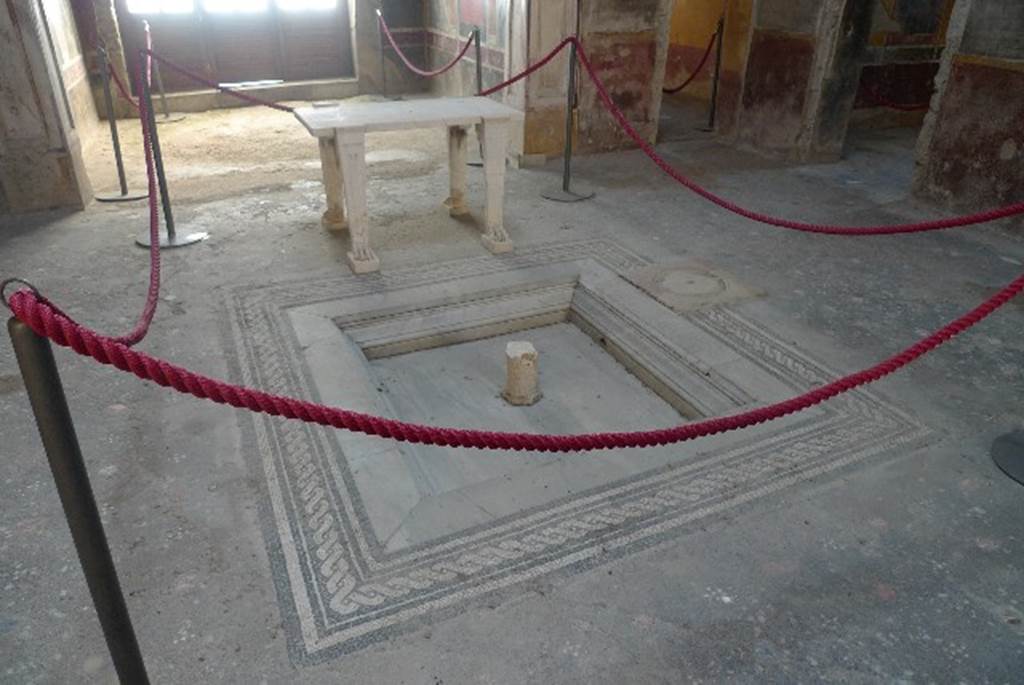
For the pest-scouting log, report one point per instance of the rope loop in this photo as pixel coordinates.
(187, 73)
(21, 281)
(700, 66)
(408, 63)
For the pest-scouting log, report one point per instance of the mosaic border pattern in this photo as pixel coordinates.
(339, 590)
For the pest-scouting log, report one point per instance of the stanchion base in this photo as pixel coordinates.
(565, 195)
(130, 197)
(1008, 454)
(170, 119)
(179, 240)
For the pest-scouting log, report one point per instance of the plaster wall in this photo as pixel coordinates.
(627, 41)
(40, 147)
(691, 25)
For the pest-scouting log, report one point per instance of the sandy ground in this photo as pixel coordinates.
(221, 153)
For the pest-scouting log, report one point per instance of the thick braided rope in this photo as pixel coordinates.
(412, 67)
(530, 69)
(141, 327)
(695, 72)
(648, 149)
(216, 86)
(121, 87)
(153, 293)
(45, 321)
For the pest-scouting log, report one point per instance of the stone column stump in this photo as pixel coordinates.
(521, 383)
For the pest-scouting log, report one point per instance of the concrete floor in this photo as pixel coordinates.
(904, 566)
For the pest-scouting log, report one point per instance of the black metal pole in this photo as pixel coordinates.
(1008, 454)
(108, 101)
(380, 48)
(115, 139)
(479, 64)
(718, 72)
(158, 160)
(565, 194)
(160, 89)
(570, 111)
(169, 239)
(53, 418)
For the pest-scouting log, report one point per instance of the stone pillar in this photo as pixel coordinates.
(800, 77)
(546, 25)
(843, 38)
(739, 17)
(627, 41)
(521, 383)
(971, 150)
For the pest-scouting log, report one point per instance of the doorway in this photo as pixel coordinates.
(231, 41)
(685, 110)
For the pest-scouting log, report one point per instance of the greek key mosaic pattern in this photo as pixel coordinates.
(340, 590)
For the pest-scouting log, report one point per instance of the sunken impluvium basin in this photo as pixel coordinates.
(614, 359)
(367, 535)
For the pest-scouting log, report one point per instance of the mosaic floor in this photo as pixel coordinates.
(368, 537)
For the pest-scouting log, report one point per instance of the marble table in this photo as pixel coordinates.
(341, 131)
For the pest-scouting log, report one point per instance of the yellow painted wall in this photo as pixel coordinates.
(693, 21)
(739, 16)
(691, 25)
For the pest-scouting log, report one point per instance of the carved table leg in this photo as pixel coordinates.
(351, 150)
(456, 201)
(334, 218)
(495, 136)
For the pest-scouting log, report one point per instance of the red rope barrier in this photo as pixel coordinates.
(216, 86)
(121, 87)
(695, 72)
(141, 327)
(529, 70)
(951, 222)
(47, 320)
(145, 75)
(50, 323)
(412, 67)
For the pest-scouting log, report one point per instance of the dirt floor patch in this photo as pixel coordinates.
(220, 153)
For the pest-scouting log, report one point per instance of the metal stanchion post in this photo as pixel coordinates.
(169, 237)
(1008, 454)
(108, 100)
(167, 118)
(380, 49)
(479, 89)
(160, 85)
(46, 394)
(565, 194)
(718, 72)
(479, 64)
